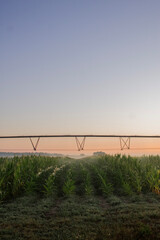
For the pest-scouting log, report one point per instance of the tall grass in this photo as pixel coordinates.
(21, 175)
(119, 175)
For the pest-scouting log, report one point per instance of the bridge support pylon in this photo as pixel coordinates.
(124, 142)
(80, 145)
(35, 145)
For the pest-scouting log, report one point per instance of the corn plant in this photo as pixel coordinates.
(69, 184)
(127, 189)
(120, 175)
(49, 186)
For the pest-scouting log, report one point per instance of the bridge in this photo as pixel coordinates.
(124, 139)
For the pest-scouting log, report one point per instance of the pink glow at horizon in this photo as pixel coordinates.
(68, 146)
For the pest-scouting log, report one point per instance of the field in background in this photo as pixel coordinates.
(107, 197)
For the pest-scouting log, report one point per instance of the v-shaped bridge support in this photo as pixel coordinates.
(124, 143)
(80, 145)
(35, 145)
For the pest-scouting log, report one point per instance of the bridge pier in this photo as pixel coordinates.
(80, 145)
(35, 145)
(124, 143)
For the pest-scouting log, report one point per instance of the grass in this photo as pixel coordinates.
(109, 197)
(82, 218)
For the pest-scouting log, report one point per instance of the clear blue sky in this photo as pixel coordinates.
(70, 66)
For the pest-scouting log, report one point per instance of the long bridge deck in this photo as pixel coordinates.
(124, 139)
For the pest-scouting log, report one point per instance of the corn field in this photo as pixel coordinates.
(59, 177)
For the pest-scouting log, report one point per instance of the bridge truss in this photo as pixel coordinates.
(125, 140)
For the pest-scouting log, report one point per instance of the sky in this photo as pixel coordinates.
(79, 67)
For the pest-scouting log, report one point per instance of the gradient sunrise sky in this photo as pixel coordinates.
(79, 67)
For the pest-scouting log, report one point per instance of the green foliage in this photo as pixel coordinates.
(105, 175)
(69, 184)
(127, 188)
(20, 175)
(82, 218)
(88, 185)
(83, 180)
(49, 186)
(103, 185)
